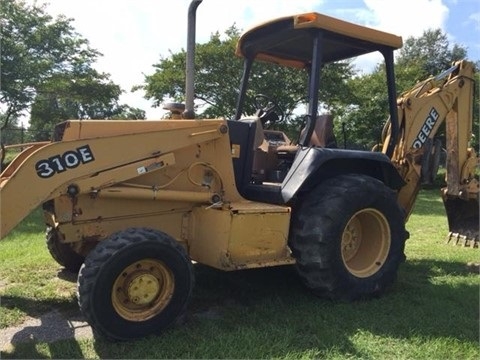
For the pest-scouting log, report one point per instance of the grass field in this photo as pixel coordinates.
(432, 311)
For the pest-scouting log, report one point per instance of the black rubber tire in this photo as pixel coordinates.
(317, 229)
(110, 259)
(63, 253)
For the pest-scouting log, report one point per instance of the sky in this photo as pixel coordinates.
(133, 35)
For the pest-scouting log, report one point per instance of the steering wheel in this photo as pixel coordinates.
(268, 111)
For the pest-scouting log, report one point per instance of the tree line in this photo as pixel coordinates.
(47, 69)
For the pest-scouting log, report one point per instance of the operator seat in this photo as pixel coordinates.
(259, 136)
(322, 136)
(260, 150)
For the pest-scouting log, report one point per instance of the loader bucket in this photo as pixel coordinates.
(463, 221)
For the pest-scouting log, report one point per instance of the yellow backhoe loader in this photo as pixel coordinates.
(132, 204)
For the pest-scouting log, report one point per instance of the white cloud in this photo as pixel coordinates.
(475, 19)
(408, 17)
(132, 35)
(474, 22)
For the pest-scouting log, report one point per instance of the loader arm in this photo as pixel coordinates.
(85, 161)
(444, 99)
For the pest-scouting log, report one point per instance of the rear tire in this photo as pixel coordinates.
(63, 253)
(348, 237)
(135, 283)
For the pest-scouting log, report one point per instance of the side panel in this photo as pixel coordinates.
(246, 235)
(96, 218)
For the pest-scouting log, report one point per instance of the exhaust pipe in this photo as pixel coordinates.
(189, 112)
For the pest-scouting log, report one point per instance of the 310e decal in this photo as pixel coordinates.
(60, 163)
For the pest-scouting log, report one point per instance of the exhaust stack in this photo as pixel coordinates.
(189, 112)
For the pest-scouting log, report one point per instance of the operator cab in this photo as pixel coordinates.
(306, 42)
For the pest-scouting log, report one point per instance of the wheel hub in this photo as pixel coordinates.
(365, 242)
(351, 239)
(143, 289)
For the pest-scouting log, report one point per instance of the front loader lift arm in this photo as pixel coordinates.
(87, 164)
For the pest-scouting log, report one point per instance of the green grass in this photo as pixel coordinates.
(432, 311)
(11, 154)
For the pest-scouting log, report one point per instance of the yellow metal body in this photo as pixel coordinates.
(318, 21)
(177, 176)
(246, 234)
(422, 111)
(172, 175)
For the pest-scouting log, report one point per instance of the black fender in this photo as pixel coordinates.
(314, 164)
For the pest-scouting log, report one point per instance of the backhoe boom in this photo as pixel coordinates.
(441, 102)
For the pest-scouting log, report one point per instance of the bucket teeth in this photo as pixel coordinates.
(462, 240)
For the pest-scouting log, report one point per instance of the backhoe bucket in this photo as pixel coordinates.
(463, 221)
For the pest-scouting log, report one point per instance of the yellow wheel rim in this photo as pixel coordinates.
(142, 290)
(365, 242)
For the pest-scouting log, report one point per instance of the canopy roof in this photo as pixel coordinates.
(288, 40)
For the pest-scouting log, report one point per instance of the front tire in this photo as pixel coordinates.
(348, 237)
(63, 253)
(135, 283)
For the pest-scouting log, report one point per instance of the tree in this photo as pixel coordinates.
(430, 55)
(129, 113)
(475, 143)
(80, 96)
(359, 103)
(13, 134)
(419, 59)
(432, 50)
(217, 78)
(34, 48)
(47, 66)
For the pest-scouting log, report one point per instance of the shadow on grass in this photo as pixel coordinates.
(51, 321)
(267, 313)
